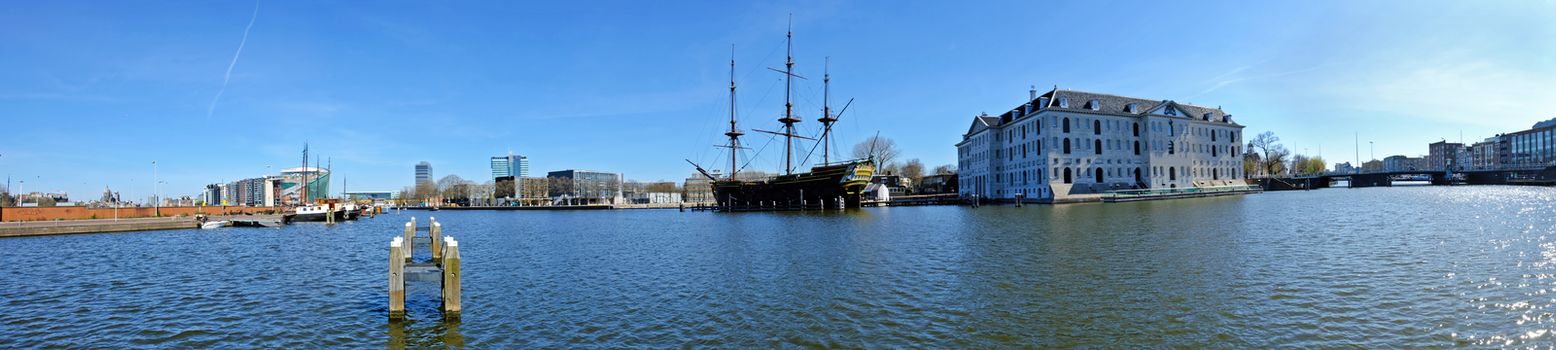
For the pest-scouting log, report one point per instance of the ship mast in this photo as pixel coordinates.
(734, 133)
(826, 112)
(788, 119)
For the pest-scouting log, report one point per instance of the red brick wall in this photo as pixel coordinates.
(79, 213)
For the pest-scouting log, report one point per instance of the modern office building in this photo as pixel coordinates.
(510, 165)
(585, 186)
(1534, 148)
(423, 172)
(1067, 142)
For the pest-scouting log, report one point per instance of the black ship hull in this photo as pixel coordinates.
(339, 215)
(830, 186)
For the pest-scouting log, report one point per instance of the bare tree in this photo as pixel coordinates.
(1272, 154)
(533, 187)
(884, 150)
(913, 169)
(945, 170)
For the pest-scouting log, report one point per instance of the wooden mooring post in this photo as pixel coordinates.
(451, 273)
(410, 235)
(397, 278)
(443, 267)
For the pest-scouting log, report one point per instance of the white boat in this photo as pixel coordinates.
(215, 224)
(318, 212)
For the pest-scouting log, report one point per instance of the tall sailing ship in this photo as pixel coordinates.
(827, 185)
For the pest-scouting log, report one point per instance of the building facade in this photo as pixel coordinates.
(1344, 168)
(585, 186)
(1531, 149)
(423, 172)
(1067, 142)
(510, 165)
(1402, 163)
(1443, 155)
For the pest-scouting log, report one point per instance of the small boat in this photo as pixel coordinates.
(215, 224)
(316, 212)
(352, 212)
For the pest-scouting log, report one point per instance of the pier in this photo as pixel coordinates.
(442, 267)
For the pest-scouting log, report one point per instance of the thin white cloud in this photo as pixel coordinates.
(228, 77)
(1479, 92)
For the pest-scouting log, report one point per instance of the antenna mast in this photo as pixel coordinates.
(734, 134)
(826, 112)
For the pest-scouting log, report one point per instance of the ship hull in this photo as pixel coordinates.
(831, 186)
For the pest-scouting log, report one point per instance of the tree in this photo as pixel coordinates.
(425, 190)
(913, 169)
(1272, 155)
(559, 186)
(945, 170)
(533, 187)
(884, 150)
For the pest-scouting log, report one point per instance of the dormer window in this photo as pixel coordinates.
(1170, 111)
(1132, 108)
(1226, 119)
(1207, 117)
(1042, 102)
(1093, 105)
(1064, 102)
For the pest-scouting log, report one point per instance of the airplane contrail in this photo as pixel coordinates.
(212, 109)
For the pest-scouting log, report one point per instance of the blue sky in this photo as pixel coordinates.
(92, 92)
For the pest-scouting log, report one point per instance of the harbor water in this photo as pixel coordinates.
(1427, 266)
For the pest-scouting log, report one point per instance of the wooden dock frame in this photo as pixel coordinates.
(445, 261)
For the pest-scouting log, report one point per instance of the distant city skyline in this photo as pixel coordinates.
(216, 92)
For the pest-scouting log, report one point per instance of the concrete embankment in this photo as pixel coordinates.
(45, 228)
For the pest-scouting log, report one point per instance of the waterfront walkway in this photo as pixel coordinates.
(61, 227)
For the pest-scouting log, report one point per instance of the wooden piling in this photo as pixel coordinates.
(451, 306)
(436, 243)
(396, 278)
(410, 236)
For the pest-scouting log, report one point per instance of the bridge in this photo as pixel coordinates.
(1528, 176)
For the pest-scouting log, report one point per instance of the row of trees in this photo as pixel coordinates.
(1264, 156)
(886, 152)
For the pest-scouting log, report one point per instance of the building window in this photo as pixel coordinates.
(1067, 147)
(1172, 174)
(1093, 105)
(1066, 175)
(1137, 129)
(1097, 144)
(1066, 125)
(1137, 148)
(1096, 127)
(1099, 176)
(1064, 102)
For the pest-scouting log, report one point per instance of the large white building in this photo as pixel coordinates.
(1064, 143)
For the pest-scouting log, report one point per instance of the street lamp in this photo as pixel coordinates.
(157, 197)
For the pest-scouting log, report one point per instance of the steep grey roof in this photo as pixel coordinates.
(1115, 104)
(1081, 101)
